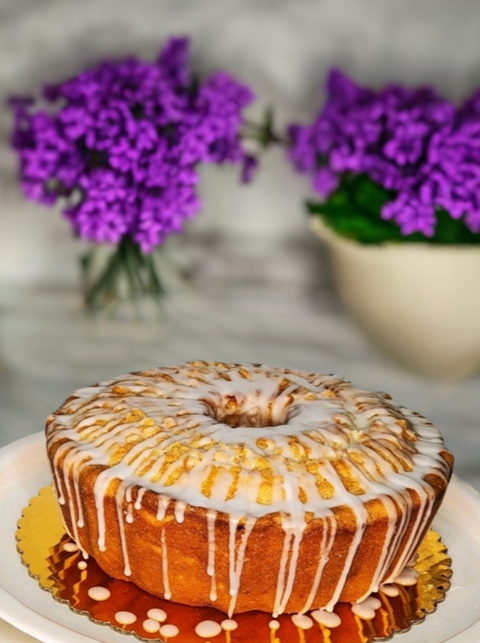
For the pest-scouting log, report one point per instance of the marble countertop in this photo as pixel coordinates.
(49, 347)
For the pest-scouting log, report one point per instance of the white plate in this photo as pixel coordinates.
(24, 469)
(10, 634)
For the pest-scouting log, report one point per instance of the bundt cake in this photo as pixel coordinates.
(246, 487)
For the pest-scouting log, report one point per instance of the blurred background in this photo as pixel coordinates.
(260, 287)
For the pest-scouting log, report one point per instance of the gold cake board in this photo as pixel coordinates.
(41, 539)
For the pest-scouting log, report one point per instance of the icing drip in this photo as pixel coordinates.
(284, 589)
(99, 593)
(366, 609)
(157, 614)
(119, 497)
(180, 507)
(125, 618)
(328, 619)
(208, 629)
(80, 519)
(281, 573)
(390, 590)
(249, 441)
(70, 547)
(302, 622)
(229, 625)
(138, 501)
(169, 631)
(407, 577)
(236, 562)
(99, 490)
(361, 522)
(151, 626)
(166, 585)
(211, 517)
(74, 506)
(163, 503)
(420, 523)
(328, 538)
(82, 565)
(381, 568)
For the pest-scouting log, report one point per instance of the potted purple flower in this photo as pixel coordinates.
(119, 147)
(396, 174)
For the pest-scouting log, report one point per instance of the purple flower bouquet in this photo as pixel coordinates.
(119, 147)
(396, 165)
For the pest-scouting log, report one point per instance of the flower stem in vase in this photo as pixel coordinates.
(127, 275)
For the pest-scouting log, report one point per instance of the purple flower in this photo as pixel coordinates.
(174, 61)
(411, 141)
(325, 181)
(121, 144)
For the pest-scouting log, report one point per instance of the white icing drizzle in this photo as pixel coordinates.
(413, 560)
(366, 609)
(236, 562)
(138, 501)
(125, 618)
(292, 569)
(70, 547)
(119, 497)
(82, 565)
(361, 521)
(78, 502)
(328, 619)
(302, 621)
(281, 573)
(74, 506)
(381, 568)
(99, 593)
(180, 507)
(328, 538)
(166, 584)
(101, 485)
(208, 629)
(163, 503)
(175, 423)
(274, 625)
(426, 501)
(211, 517)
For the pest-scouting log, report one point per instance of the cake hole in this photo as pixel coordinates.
(236, 412)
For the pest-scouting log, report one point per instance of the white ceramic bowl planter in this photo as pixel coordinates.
(419, 302)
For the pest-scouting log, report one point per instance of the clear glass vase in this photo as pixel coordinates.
(122, 281)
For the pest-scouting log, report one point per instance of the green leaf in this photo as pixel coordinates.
(353, 211)
(132, 269)
(105, 284)
(156, 285)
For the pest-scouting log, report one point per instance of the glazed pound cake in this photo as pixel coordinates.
(245, 487)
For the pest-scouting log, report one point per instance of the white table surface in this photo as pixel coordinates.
(262, 292)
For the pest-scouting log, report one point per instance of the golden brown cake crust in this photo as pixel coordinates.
(340, 546)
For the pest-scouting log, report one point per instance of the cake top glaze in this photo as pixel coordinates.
(247, 439)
